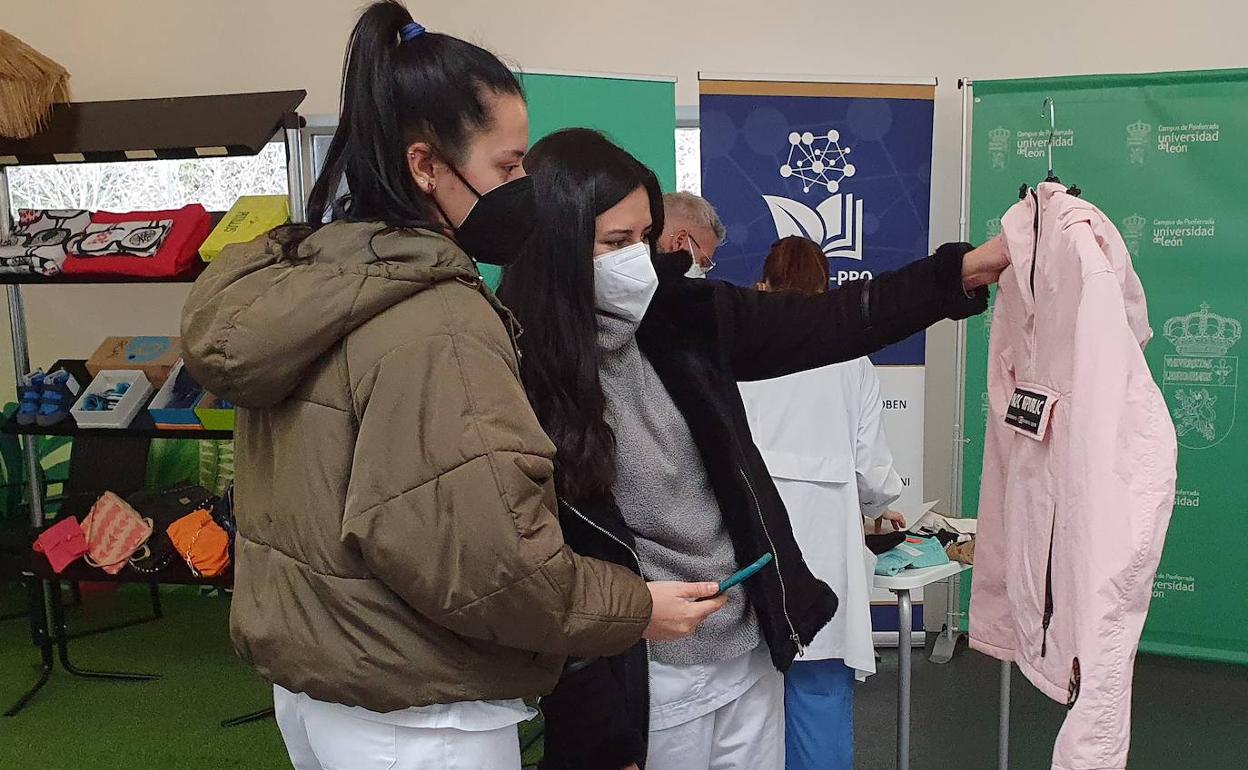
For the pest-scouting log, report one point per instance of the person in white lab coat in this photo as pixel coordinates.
(821, 436)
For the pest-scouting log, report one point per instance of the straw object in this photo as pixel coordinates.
(29, 84)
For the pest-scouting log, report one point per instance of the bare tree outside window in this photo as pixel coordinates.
(213, 182)
(148, 185)
(689, 160)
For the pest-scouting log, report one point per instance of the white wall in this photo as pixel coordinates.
(137, 48)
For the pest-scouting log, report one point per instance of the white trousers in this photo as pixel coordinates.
(746, 734)
(320, 736)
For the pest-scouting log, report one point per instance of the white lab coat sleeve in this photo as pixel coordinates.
(879, 485)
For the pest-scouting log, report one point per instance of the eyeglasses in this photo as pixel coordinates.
(694, 241)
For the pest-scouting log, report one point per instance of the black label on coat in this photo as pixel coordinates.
(1026, 411)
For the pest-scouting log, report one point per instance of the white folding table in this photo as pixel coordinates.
(901, 585)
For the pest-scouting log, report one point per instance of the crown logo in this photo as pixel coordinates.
(998, 137)
(1203, 333)
(1134, 223)
(1137, 132)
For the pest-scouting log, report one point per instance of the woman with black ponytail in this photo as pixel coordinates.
(401, 575)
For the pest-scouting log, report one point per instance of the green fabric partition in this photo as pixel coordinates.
(638, 114)
(1164, 156)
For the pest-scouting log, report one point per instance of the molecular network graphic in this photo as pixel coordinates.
(819, 161)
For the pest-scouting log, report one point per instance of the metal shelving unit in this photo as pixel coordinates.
(123, 131)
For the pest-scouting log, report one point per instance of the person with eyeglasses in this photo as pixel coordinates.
(693, 228)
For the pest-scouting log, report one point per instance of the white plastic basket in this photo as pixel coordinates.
(125, 411)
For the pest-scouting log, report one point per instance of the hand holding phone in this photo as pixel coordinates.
(745, 574)
(679, 608)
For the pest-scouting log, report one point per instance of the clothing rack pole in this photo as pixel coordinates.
(959, 439)
(946, 643)
(1003, 734)
(21, 363)
(959, 355)
(41, 614)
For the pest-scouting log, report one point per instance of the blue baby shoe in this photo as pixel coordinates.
(60, 389)
(31, 398)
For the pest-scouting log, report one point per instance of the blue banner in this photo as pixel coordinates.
(848, 166)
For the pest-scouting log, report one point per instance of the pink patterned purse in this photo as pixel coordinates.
(114, 532)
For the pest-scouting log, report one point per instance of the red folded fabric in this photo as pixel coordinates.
(63, 543)
(178, 257)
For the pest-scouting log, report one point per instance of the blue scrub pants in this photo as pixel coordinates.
(819, 716)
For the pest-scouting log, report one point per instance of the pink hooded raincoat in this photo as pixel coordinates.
(1079, 472)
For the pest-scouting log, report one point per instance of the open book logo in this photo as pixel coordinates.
(835, 224)
(820, 162)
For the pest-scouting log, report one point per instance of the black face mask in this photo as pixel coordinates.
(496, 229)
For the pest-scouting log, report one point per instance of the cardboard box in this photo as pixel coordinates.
(250, 217)
(214, 413)
(154, 356)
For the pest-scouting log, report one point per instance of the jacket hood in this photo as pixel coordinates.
(1058, 209)
(257, 319)
(1020, 226)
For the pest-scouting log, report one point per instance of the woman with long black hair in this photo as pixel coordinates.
(401, 576)
(634, 377)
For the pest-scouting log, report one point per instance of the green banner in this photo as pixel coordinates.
(1165, 157)
(639, 114)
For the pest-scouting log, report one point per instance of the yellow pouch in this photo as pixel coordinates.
(250, 217)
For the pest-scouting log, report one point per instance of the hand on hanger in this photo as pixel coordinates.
(983, 265)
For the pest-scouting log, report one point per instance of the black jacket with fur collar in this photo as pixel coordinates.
(703, 337)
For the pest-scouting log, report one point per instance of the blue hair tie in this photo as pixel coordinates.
(411, 31)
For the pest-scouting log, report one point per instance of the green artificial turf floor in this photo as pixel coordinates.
(170, 723)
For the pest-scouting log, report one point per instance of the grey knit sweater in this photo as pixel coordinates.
(665, 497)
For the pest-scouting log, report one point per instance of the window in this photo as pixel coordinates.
(688, 155)
(158, 184)
(319, 137)
(215, 182)
(689, 159)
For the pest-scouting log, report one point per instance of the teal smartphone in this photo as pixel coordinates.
(745, 574)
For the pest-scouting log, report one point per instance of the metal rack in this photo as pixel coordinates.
(966, 85)
(119, 131)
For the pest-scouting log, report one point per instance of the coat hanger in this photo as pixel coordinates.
(1051, 106)
(1050, 109)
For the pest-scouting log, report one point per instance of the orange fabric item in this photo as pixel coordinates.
(202, 543)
